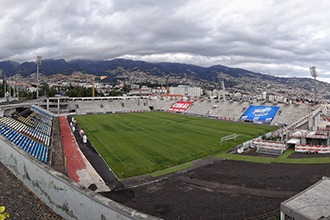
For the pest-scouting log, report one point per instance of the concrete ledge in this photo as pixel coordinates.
(65, 197)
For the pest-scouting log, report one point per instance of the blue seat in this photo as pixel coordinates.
(7, 133)
(12, 133)
(34, 148)
(31, 148)
(26, 144)
(42, 154)
(21, 141)
(17, 139)
(38, 150)
(46, 155)
(13, 137)
(2, 129)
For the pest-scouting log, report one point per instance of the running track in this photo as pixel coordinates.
(73, 159)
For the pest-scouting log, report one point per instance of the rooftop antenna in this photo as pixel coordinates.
(314, 75)
(38, 62)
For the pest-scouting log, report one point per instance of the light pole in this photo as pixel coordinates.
(314, 75)
(38, 62)
(3, 82)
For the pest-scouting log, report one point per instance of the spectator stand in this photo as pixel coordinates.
(31, 133)
(32, 147)
(269, 147)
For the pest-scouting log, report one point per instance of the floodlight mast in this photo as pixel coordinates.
(223, 91)
(38, 62)
(314, 75)
(3, 81)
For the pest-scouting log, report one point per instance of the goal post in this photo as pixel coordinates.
(228, 137)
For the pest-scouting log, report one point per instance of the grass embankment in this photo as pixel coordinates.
(284, 158)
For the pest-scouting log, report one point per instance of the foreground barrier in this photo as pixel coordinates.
(65, 197)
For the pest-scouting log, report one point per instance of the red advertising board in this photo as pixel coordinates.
(180, 106)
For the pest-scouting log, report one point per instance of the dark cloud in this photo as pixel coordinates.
(281, 38)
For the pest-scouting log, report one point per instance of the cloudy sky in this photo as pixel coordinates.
(279, 37)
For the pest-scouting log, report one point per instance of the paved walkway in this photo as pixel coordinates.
(57, 157)
(78, 167)
(97, 161)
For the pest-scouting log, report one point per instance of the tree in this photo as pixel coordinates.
(126, 89)
(24, 94)
(2, 86)
(115, 93)
(3, 214)
(47, 91)
(52, 92)
(79, 91)
(44, 89)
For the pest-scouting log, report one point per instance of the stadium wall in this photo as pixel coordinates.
(4, 112)
(65, 197)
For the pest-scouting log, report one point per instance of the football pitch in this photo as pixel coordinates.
(139, 143)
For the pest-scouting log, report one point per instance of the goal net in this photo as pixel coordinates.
(228, 137)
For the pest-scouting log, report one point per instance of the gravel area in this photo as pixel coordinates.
(19, 201)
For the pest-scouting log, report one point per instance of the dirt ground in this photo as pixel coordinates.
(222, 189)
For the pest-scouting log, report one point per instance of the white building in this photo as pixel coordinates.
(272, 98)
(215, 92)
(143, 90)
(312, 203)
(186, 91)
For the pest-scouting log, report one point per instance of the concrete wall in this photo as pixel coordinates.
(6, 112)
(65, 197)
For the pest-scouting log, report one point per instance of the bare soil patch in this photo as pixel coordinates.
(221, 189)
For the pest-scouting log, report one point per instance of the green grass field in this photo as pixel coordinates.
(139, 143)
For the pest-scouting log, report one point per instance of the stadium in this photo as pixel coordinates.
(255, 155)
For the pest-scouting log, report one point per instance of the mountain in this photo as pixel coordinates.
(8, 67)
(102, 67)
(235, 79)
